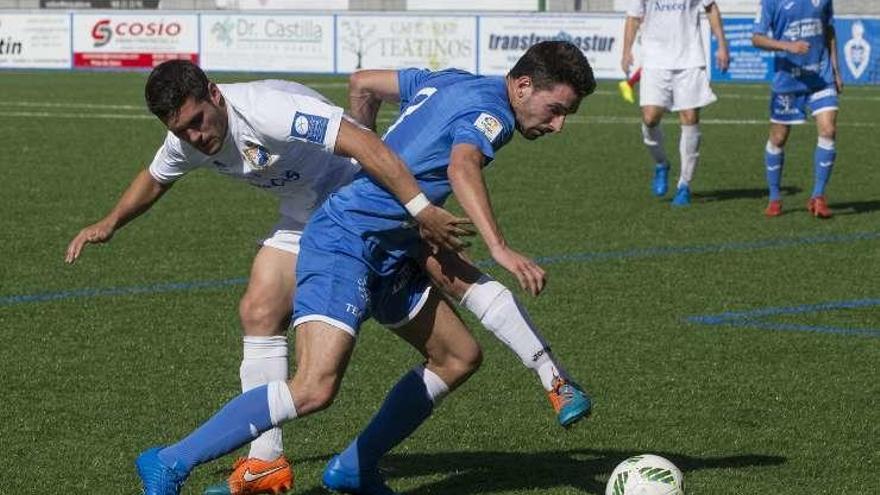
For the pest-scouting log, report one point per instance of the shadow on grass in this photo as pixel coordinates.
(489, 472)
(729, 194)
(854, 207)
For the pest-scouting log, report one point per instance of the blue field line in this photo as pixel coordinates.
(586, 257)
(758, 318)
(121, 291)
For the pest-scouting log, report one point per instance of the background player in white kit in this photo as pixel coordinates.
(674, 78)
(281, 137)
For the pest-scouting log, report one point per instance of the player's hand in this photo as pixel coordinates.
(838, 83)
(93, 234)
(441, 229)
(799, 47)
(626, 62)
(722, 59)
(531, 277)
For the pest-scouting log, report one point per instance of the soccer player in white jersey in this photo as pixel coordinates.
(271, 142)
(807, 74)
(280, 137)
(674, 78)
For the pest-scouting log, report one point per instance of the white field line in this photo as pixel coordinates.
(576, 120)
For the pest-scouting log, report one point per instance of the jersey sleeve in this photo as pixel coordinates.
(707, 3)
(284, 120)
(409, 80)
(170, 162)
(636, 8)
(763, 18)
(487, 130)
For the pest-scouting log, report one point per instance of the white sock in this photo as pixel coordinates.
(689, 148)
(264, 361)
(281, 407)
(501, 314)
(653, 139)
(437, 388)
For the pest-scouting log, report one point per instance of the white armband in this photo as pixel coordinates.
(417, 204)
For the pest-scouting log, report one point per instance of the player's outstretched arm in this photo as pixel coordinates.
(367, 90)
(437, 226)
(143, 191)
(466, 177)
(722, 56)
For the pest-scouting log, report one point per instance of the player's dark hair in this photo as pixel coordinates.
(549, 63)
(171, 83)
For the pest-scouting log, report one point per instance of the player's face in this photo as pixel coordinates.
(543, 111)
(202, 124)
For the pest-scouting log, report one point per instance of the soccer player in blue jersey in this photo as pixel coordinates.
(359, 258)
(807, 74)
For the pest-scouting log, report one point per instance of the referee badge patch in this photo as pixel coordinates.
(309, 127)
(488, 125)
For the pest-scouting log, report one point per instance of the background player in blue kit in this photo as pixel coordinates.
(359, 257)
(807, 74)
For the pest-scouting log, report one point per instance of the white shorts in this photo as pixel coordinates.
(285, 235)
(675, 89)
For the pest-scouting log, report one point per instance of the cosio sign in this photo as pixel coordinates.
(103, 31)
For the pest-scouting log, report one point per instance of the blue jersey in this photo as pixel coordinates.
(438, 110)
(798, 20)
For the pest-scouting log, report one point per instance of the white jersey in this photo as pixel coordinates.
(670, 32)
(281, 139)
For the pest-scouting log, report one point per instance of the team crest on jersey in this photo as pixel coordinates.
(816, 3)
(488, 125)
(309, 127)
(257, 156)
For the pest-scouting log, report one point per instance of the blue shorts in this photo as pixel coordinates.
(791, 108)
(334, 284)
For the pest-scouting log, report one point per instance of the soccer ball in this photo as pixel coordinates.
(645, 474)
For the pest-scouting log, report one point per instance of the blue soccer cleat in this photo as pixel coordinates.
(569, 401)
(338, 478)
(661, 175)
(682, 196)
(157, 478)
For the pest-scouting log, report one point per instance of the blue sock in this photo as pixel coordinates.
(774, 158)
(405, 408)
(241, 420)
(823, 163)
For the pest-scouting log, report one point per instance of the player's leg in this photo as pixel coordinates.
(504, 316)
(774, 160)
(655, 96)
(451, 356)
(264, 312)
(691, 92)
(689, 152)
(824, 106)
(323, 352)
(785, 110)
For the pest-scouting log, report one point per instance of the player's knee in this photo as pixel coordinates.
(262, 316)
(778, 138)
(651, 119)
(828, 131)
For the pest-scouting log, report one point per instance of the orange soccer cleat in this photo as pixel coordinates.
(774, 208)
(818, 207)
(251, 476)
